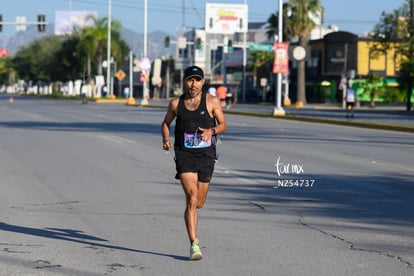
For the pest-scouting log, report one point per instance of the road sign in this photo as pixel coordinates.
(21, 23)
(120, 75)
(182, 42)
(261, 47)
(137, 66)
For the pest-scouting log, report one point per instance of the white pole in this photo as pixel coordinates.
(244, 58)
(278, 111)
(108, 58)
(131, 100)
(183, 15)
(280, 39)
(145, 28)
(145, 83)
(131, 74)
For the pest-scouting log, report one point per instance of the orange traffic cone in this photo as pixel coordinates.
(11, 100)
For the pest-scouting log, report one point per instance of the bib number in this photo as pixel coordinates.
(194, 141)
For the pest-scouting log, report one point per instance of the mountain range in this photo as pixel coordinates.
(133, 39)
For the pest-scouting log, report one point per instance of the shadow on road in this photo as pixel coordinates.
(379, 200)
(88, 126)
(76, 236)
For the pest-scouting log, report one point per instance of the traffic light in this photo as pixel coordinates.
(198, 43)
(230, 45)
(112, 69)
(167, 42)
(41, 25)
(1, 23)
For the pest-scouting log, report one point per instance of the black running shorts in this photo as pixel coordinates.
(199, 163)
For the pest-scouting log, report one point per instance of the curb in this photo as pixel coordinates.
(109, 100)
(352, 123)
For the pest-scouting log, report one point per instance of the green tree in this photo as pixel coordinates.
(396, 30)
(273, 22)
(120, 49)
(68, 62)
(298, 25)
(258, 59)
(94, 40)
(374, 84)
(49, 59)
(63, 58)
(6, 69)
(35, 61)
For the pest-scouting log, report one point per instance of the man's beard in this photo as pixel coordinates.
(193, 95)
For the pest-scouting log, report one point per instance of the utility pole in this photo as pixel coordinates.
(410, 54)
(183, 16)
(278, 110)
(108, 58)
(145, 94)
(244, 60)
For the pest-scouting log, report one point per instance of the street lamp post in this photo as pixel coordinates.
(244, 61)
(108, 61)
(145, 83)
(278, 110)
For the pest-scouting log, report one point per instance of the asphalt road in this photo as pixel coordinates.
(87, 190)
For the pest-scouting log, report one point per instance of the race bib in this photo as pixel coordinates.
(194, 141)
(350, 96)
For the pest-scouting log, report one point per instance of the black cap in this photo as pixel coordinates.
(193, 71)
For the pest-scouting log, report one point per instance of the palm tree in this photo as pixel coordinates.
(257, 59)
(86, 47)
(94, 41)
(374, 83)
(297, 27)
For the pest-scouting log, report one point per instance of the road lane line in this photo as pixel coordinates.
(116, 139)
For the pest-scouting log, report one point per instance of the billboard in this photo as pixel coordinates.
(225, 18)
(67, 22)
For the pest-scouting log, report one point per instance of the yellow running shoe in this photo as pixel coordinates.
(195, 253)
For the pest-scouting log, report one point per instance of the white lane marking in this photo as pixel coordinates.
(389, 165)
(116, 139)
(240, 176)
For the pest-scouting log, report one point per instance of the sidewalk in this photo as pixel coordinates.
(380, 117)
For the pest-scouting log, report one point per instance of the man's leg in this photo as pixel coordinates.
(196, 194)
(202, 190)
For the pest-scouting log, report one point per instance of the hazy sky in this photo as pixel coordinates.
(356, 16)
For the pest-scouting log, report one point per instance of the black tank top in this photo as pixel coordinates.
(187, 134)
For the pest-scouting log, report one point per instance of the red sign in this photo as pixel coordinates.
(4, 52)
(281, 60)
